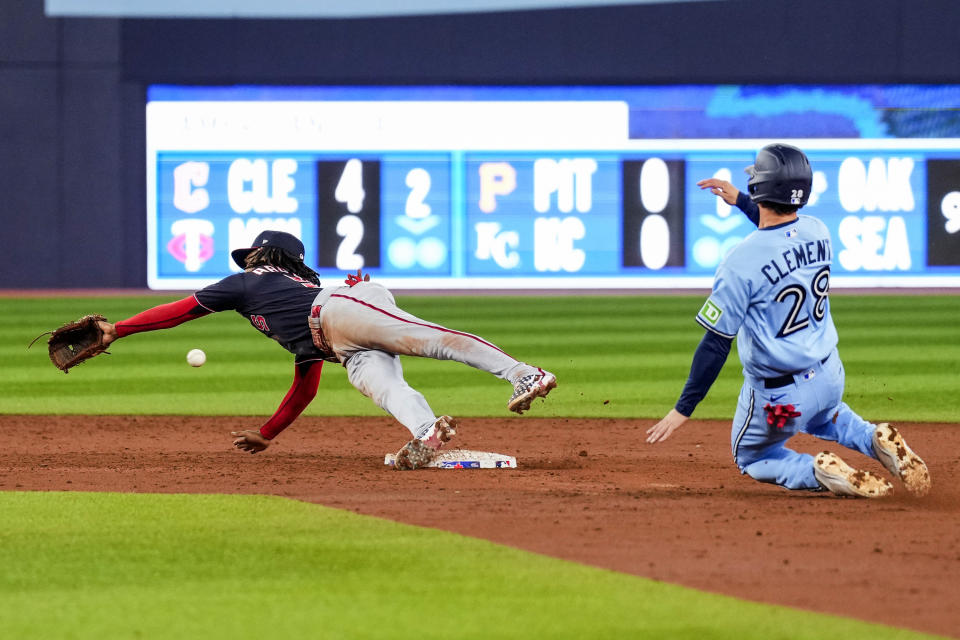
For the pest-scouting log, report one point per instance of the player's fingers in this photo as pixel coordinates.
(661, 431)
(660, 437)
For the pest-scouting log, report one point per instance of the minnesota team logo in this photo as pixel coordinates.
(711, 312)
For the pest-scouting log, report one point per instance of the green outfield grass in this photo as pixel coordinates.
(615, 356)
(110, 566)
(103, 566)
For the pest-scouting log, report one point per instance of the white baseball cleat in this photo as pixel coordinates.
(900, 460)
(534, 385)
(420, 451)
(842, 479)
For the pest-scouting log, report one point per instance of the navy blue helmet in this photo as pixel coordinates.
(781, 173)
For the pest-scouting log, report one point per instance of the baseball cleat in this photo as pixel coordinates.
(420, 451)
(900, 460)
(837, 476)
(535, 385)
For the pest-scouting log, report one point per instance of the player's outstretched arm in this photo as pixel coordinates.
(708, 360)
(306, 381)
(662, 430)
(162, 316)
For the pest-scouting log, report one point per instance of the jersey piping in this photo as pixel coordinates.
(421, 324)
(713, 330)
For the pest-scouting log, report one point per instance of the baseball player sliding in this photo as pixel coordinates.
(771, 292)
(357, 324)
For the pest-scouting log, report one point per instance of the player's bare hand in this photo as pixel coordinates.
(721, 188)
(353, 279)
(662, 430)
(109, 331)
(250, 441)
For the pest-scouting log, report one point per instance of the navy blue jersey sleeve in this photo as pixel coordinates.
(223, 295)
(749, 208)
(708, 360)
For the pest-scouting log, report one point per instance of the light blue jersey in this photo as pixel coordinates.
(771, 293)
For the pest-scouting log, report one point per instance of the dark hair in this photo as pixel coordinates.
(782, 209)
(277, 257)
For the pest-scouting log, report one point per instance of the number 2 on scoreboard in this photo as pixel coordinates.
(350, 228)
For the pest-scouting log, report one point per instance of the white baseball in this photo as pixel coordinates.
(196, 357)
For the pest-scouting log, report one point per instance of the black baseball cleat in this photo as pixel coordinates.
(534, 385)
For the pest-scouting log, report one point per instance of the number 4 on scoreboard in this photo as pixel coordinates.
(349, 189)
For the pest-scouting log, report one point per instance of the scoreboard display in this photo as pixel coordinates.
(500, 194)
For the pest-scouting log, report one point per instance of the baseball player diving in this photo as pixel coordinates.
(771, 293)
(356, 324)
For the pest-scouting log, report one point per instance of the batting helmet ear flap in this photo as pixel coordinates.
(782, 174)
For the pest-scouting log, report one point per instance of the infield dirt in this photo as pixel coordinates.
(591, 491)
